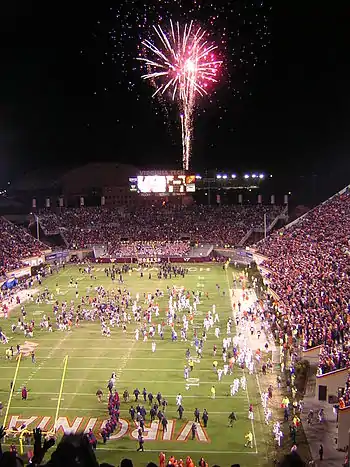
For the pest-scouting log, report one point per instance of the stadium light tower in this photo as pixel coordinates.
(37, 227)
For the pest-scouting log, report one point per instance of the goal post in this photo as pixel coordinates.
(12, 389)
(61, 392)
(52, 432)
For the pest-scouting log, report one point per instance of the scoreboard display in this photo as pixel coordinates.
(163, 183)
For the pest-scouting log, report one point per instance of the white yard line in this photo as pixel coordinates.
(37, 367)
(89, 394)
(72, 357)
(102, 408)
(115, 369)
(124, 361)
(82, 380)
(40, 347)
(120, 381)
(110, 339)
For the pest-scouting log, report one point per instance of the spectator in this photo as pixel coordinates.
(309, 270)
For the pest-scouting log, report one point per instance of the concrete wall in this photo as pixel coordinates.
(81, 254)
(343, 428)
(332, 381)
(312, 355)
(258, 258)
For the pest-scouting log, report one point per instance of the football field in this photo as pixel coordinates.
(92, 358)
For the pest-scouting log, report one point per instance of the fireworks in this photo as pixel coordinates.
(182, 66)
(240, 29)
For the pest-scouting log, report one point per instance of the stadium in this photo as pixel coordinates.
(170, 330)
(174, 234)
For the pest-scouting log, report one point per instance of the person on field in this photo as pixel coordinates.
(231, 418)
(249, 440)
(24, 393)
(161, 459)
(141, 442)
(213, 392)
(99, 395)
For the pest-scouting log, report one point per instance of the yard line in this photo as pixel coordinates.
(115, 369)
(119, 381)
(105, 416)
(72, 357)
(140, 399)
(125, 358)
(81, 383)
(40, 347)
(119, 334)
(39, 366)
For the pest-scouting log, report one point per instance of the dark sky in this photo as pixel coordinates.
(293, 117)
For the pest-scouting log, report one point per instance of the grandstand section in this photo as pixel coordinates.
(161, 251)
(219, 225)
(17, 247)
(307, 268)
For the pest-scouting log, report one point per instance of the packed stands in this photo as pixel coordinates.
(222, 225)
(148, 249)
(309, 264)
(16, 244)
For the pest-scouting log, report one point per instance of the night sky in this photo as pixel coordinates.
(71, 89)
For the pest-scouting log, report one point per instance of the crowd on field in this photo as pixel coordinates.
(309, 270)
(219, 225)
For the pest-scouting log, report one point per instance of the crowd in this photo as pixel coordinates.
(309, 265)
(220, 225)
(16, 244)
(148, 249)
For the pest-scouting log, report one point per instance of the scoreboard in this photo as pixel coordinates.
(163, 183)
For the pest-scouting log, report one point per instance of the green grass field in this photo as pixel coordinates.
(92, 358)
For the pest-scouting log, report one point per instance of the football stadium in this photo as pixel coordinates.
(175, 234)
(173, 332)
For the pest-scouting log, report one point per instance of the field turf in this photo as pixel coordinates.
(92, 358)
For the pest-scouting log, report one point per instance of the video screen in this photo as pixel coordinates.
(176, 184)
(151, 184)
